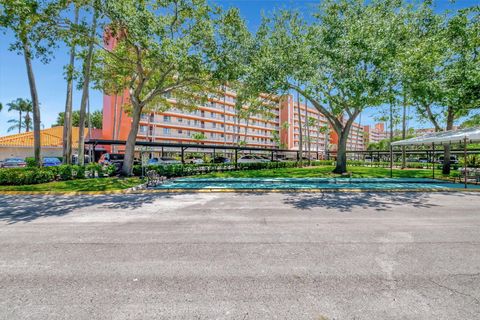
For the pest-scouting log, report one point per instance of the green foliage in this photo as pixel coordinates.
(31, 162)
(34, 175)
(473, 121)
(65, 172)
(96, 119)
(180, 170)
(24, 107)
(161, 50)
(21, 176)
(78, 185)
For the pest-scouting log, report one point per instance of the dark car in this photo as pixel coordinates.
(115, 159)
(111, 158)
(51, 162)
(14, 163)
(453, 159)
(220, 159)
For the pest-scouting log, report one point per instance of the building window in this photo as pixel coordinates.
(167, 118)
(180, 120)
(180, 132)
(166, 131)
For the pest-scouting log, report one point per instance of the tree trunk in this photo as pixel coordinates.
(20, 121)
(307, 128)
(83, 104)
(127, 167)
(67, 116)
(300, 134)
(404, 130)
(446, 149)
(27, 122)
(341, 166)
(35, 102)
(391, 132)
(114, 120)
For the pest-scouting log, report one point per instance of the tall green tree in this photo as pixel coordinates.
(235, 54)
(96, 118)
(160, 50)
(339, 60)
(31, 22)
(441, 72)
(24, 107)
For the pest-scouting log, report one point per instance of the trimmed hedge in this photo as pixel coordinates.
(181, 170)
(35, 175)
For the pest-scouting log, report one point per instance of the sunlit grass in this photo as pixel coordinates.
(98, 184)
(324, 171)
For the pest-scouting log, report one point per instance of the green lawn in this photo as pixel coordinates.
(99, 184)
(324, 171)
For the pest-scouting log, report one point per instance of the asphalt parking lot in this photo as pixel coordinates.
(241, 256)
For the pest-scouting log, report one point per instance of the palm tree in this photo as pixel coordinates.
(21, 106)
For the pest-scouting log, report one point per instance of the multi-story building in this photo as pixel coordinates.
(216, 123)
(420, 132)
(374, 134)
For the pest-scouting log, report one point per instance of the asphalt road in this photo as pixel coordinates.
(241, 256)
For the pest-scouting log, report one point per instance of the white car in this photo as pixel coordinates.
(251, 159)
(194, 160)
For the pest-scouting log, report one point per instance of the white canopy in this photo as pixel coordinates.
(446, 137)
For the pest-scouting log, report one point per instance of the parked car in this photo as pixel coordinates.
(14, 163)
(220, 159)
(423, 160)
(51, 162)
(163, 161)
(194, 160)
(453, 159)
(111, 158)
(266, 159)
(86, 159)
(116, 159)
(251, 159)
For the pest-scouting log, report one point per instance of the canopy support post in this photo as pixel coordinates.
(433, 160)
(391, 161)
(465, 161)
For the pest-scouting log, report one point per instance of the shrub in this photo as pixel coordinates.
(65, 172)
(21, 176)
(31, 163)
(94, 169)
(109, 170)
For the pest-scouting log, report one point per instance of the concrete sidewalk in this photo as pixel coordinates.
(241, 256)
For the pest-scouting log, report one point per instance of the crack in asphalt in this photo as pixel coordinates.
(455, 291)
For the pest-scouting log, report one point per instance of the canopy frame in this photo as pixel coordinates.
(463, 136)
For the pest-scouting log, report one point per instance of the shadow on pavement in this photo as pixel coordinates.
(347, 201)
(15, 209)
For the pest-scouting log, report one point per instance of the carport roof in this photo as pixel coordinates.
(472, 135)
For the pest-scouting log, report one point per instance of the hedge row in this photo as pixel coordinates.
(34, 175)
(180, 170)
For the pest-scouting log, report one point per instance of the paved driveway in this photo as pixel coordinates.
(241, 256)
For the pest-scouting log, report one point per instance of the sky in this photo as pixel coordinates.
(51, 83)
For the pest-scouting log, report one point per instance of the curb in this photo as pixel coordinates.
(150, 191)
